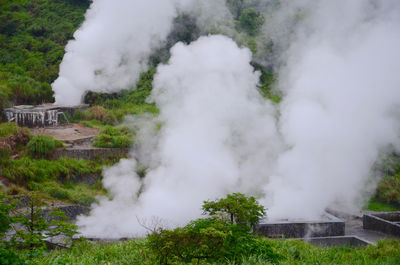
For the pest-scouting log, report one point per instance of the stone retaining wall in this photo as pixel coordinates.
(90, 153)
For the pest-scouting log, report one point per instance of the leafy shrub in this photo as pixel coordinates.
(11, 257)
(112, 137)
(98, 112)
(5, 219)
(42, 146)
(84, 200)
(238, 208)
(58, 193)
(250, 21)
(215, 239)
(388, 191)
(35, 229)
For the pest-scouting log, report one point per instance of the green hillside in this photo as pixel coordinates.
(33, 34)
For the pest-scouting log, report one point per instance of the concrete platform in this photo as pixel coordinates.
(385, 222)
(334, 241)
(328, 225)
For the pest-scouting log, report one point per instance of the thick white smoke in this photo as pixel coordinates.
(340, 108)
(113, 45)
(218, 136)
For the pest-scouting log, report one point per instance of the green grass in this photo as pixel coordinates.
(77, 193)
(114, 137)
(8, 128)
(26, 169)
(380, 207)
(291, 252)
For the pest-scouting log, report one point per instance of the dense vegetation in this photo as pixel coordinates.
(290, 251)
(215, 239)
(33, 34)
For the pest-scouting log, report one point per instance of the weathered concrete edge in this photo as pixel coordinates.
(376, 223)
(90, 153)
(350, 240)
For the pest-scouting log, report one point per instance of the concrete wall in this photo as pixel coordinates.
(378, 222)
(90, 153)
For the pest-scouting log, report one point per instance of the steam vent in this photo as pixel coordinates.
(40, 116)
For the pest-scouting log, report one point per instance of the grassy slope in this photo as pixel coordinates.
(291, 252)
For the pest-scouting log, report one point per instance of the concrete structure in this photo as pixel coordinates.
(329, 225)
(39, 116)
(90, 153)
(385, 222)
(334, 241)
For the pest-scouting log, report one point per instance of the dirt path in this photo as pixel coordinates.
(72, 133)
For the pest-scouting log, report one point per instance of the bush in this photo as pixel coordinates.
(250, 21)
(238, 208)
(11, 257)
(388, 191)
(8, 128)
(111, 137)
(215, 239)
(42, 146)
(98, 113)
(58, 193)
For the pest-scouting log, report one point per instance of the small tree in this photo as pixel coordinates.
(240, 209)
(250, 21)
(6, 206)
(32, 228)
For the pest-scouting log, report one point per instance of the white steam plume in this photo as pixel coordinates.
(340, 108)
(341, 104)
(113, 45)
(218, 136)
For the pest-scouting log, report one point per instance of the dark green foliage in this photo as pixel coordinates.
(211, 240)
(215, 239)
(184, 30)
(5, 218)
(35, 228)
(58, 193)
(388, 191)
(32, 39)
(387, 194)
(267, 81)
(237, 207)
(112, 137)
(124, 102)
(11, 257)
(250, 21)
(187, 243)
(34, 225)
(42, 146)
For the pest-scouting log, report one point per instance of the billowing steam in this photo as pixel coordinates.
(340, 107)
(217, 134)
(337, 64)
(113, 45)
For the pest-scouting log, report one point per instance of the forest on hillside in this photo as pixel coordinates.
(33, 38)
